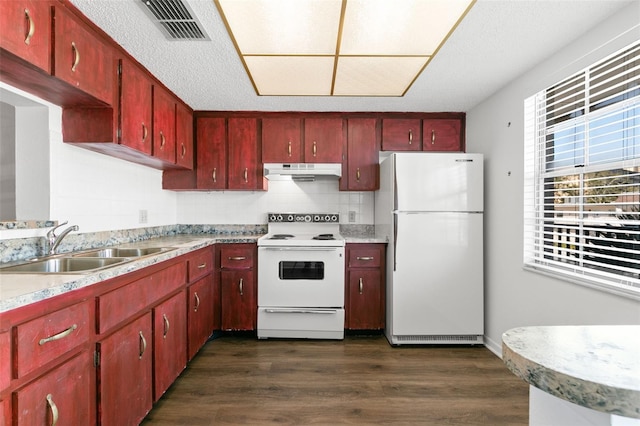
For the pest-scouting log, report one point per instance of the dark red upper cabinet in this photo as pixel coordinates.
(281, 140)
(323, 140)
(442, 134)
(135, 108)
(26, 30)
(164, 125)
(399, 134)
(81, 59)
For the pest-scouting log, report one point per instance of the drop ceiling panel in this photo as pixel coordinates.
(294, 75)
(376, 76)
(382, 27)
(265, 26)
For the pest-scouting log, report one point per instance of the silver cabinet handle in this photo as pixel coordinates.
(202, 265)
(58, 336)
(166, 326)
(143, 345)
(241, 286)
(365, 257)
(32, 27)
(237, 258)
(54, 410)
(360, 285)
(76, 57)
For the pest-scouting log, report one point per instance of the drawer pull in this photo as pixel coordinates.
(163, 140)
(213, 175)
(76, 57)
(241, 286)
(54, 410)
(58, 336)
(360, 285)
(365, 257)
(202, 265)
(143, 345)
(315, 148)
(32, 27)
(246, 175)
(410, 136)
(289, 149)
(433, 137)
(144, 132)
(195, 296)
(166, 326)
(238, 258)
(184, 150)
(358, 174)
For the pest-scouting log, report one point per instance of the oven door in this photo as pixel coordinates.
(301, 277)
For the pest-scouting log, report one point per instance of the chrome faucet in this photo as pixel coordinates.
(55, 240)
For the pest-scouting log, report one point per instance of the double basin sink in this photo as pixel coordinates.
(82, 262)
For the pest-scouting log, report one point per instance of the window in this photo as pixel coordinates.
(582, 176)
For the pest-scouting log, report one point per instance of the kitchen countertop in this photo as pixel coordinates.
(597, 367)
(17, 290)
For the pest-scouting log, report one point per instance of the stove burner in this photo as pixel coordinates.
(280, 236)
(324, 237)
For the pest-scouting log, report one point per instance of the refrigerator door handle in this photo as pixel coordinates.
(395, 239)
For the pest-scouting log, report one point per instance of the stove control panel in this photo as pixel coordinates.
(304, 217)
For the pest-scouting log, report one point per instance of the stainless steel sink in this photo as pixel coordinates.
(122, 252)
(61, 265)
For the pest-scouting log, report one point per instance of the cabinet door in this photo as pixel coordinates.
(184, 136)
(323, 140)
(5, 356)
(281, 140)
(364, 309)
(363, 168)
(169, 342)
(211, 137)
(164, 125)
(81, 59)
(401, 135)
(65, 394)
(125, 374)
(26, 30)
(245, 169)
(238, 300)
(135, 108)
(442, 135)
(200, 314)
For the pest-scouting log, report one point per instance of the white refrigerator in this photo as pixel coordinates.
(430, 208)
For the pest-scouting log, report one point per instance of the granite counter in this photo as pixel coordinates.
(595, 367)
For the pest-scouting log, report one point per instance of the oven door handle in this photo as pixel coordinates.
(301, 248)
(301, 311)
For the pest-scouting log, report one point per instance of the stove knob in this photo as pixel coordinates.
(290, 218)
(316, 218)
(272, 218)
(327, 218)
(307, 218)
(279, 218)
(334, 218)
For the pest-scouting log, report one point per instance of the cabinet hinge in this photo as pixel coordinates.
(96, 359)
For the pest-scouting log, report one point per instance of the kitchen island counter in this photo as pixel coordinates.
(596, 367)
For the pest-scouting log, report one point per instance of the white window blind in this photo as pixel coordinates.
(582, 176)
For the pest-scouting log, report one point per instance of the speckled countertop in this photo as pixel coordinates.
(597, 367)
(17, 290)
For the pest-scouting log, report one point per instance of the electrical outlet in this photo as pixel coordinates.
(142, 216)
(352, 216)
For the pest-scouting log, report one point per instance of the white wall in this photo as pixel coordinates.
(515, 297)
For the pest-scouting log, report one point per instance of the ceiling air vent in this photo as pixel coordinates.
(175, 19)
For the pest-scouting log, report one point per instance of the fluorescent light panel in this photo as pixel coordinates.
(338, 47)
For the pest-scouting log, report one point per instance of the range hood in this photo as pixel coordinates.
(302, 171)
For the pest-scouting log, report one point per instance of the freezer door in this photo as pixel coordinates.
(437, 284)
(438, 182)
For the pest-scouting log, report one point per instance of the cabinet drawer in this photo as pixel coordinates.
(237, 256)
(365, 257)
(118, 305)
(43, 339)
(200, 264)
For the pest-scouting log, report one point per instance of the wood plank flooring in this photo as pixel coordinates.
(361, 380)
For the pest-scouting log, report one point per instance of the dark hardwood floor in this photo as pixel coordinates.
(360, 380)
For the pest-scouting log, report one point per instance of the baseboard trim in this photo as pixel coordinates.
(493, 346)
